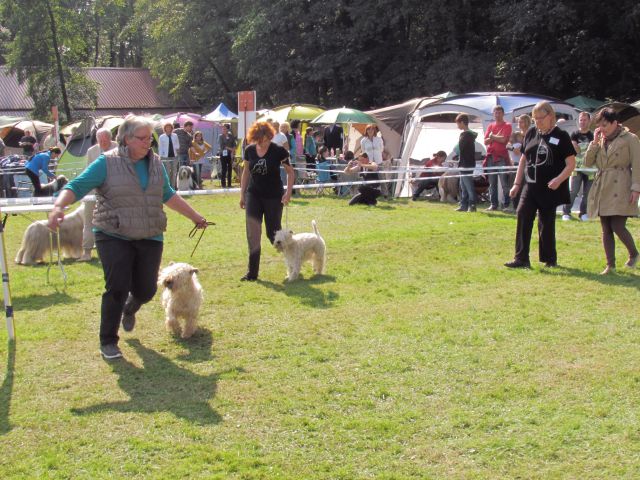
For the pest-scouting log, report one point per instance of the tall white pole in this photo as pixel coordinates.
(8, 308)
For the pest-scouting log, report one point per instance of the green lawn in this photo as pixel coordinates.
(418, 355)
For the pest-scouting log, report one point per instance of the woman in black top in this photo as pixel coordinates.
(261, 191)
(545, 166)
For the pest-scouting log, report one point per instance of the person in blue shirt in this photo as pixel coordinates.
(131, 187)
(36, 164)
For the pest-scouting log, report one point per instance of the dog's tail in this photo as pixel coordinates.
(315, 227)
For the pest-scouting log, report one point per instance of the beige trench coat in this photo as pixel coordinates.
(617, 176)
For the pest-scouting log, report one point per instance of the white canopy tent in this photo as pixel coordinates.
(432, 127)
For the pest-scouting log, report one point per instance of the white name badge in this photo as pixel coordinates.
(554, 141)
(225, 152)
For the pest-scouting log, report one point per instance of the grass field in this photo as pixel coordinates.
(418, 355)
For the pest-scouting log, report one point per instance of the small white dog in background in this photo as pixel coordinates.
(36, 241)
(184, 180)
(181, 297)
(299, 248)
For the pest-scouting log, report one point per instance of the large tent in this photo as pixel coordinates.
(221, 114)
(81, 135)
(210, 129)
(13, 131)
(584, 103)
(432, 126)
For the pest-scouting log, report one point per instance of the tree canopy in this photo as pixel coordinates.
(338, 52)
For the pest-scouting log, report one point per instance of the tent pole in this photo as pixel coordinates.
(8, 308)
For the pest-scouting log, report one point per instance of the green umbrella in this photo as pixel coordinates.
(344, 115)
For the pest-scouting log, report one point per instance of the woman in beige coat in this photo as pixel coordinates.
(615, 152)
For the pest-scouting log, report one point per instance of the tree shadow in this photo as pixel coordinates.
(38, 302)
(160, 386)
(619, 279)
(304, 290)
(199, 346)
(7, 389)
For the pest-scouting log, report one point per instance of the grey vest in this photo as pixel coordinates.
(122, 207)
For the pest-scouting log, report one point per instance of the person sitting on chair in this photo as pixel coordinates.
(367, 193)
(435, 162)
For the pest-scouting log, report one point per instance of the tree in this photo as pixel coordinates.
(48, 51)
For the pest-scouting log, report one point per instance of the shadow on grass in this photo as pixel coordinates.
(160, 386)
(199, 346)
(304, 290)
(623, 278)
(37, 302)
(7, 389)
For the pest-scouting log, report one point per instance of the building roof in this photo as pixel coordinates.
(120, 90)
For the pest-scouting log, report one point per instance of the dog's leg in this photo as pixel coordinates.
(190, 326)
(172, 324)
(294, 272)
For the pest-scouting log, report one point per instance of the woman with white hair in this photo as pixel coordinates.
(131, 187)
(547, 161)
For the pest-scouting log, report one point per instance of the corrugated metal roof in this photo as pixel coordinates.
(126, 89)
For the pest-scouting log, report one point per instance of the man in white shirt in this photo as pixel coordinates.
(103, 136)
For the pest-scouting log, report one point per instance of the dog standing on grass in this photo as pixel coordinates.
(181, 297)
(37, 241)
(299, 248)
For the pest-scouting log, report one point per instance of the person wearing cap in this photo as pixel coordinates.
(435, 162)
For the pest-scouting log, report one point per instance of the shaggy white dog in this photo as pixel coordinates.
(181, 297)
(184, 180)
(299, 248)
(36, 241)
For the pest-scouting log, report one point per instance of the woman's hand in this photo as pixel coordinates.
(55, 218)
(634, 197)
(554, 183)
(201, 222)
(286, 198)
(597, 135)
(242, 200)
(513, 193)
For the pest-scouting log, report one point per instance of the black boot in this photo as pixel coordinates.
(254, 267)
(131, 306)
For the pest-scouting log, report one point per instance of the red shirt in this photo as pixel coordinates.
(498, 149)
(429, 164)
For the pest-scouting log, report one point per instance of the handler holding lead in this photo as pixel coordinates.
(131, 186)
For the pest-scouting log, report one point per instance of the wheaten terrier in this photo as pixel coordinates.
(37, 241)
(301, 247)
(181, 297)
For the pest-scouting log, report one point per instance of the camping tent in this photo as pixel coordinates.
(432, 126)
(210, 129)
(221, 114)
(12, 132)
(81, 135)
(584, 103)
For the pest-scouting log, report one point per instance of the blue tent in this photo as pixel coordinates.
(220, 114)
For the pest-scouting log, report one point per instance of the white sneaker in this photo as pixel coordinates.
(566, 218)
(584, 217)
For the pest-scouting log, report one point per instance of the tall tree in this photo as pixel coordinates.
(47, 51)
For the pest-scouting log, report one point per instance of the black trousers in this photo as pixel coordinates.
(257, 208)
(225, 175)
(528, 207)
(35, 180)
(366, 195)
(129, 266)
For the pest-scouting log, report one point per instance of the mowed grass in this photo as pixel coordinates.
(418, 355)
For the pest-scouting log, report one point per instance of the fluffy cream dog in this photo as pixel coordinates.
(184, 181)
(36, 241)
(301, 247)
(181, 297)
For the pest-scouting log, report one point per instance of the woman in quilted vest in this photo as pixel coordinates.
(132, 186)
